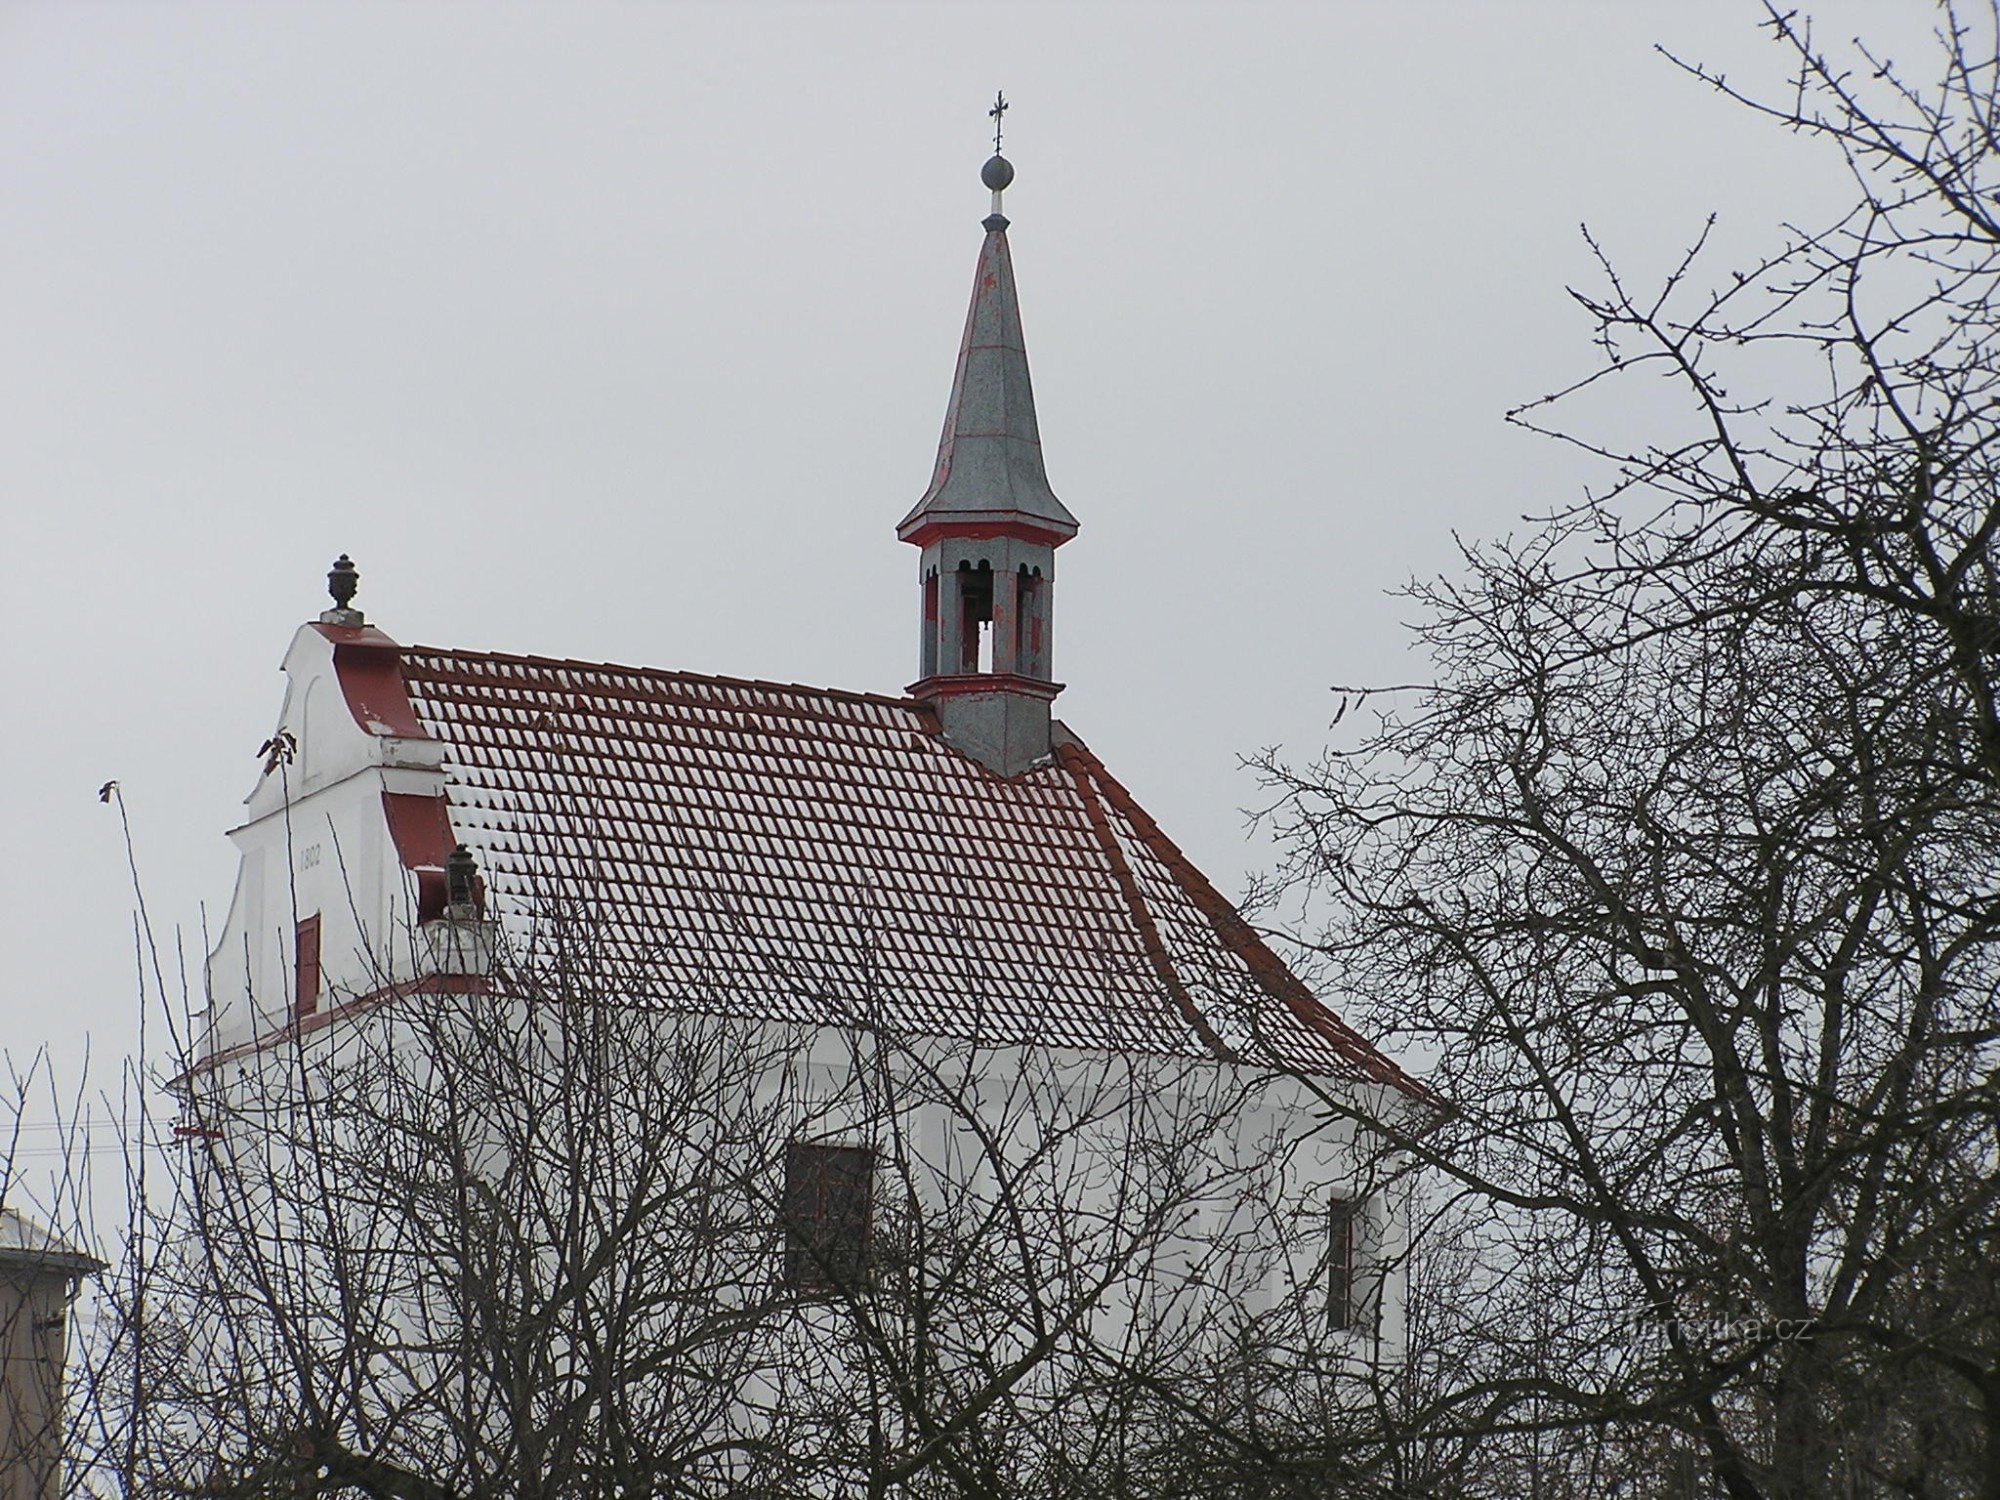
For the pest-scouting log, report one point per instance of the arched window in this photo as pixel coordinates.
(975, 617)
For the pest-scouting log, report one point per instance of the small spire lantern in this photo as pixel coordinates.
(988, 526)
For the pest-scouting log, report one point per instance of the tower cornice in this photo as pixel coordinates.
(981, 526)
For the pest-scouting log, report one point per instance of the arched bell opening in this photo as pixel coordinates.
(975, 618)
(929, 626)
(1031, 623)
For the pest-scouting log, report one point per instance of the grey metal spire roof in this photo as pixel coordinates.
(989, 463)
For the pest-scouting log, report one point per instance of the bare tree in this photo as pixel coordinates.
(1683, 866)
(510, 1231)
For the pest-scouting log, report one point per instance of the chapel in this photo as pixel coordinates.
(951, 862)
(658, 1065)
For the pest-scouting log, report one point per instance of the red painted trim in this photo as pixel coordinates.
(319, 1020)
(963, 684)
(305, 967)
(1242, 939)
(370, 668)
(1018, 527)
(421, 829)
(356, 635)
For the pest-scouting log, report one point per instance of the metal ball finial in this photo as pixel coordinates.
(998, 173)
(343, 580)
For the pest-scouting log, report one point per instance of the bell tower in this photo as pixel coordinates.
(988, 527)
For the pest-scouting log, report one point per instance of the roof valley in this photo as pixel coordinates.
(1079, 765)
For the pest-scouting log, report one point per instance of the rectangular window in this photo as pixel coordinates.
(1028, 623)
(305, 973)
(829, 1205)
(1340, 1264)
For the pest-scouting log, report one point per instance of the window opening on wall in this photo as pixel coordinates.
(305, 967)
(1340, 1263)
(829, 1206)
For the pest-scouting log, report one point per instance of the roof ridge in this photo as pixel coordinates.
(575, 664)
(1244, 940)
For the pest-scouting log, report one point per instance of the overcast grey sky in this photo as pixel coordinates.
(624, 331)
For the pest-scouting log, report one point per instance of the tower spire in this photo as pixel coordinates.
(989, 461)
(989, 525)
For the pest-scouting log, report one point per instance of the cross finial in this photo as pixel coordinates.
(998, 171)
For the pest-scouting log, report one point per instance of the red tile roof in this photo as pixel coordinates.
(814, 855)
